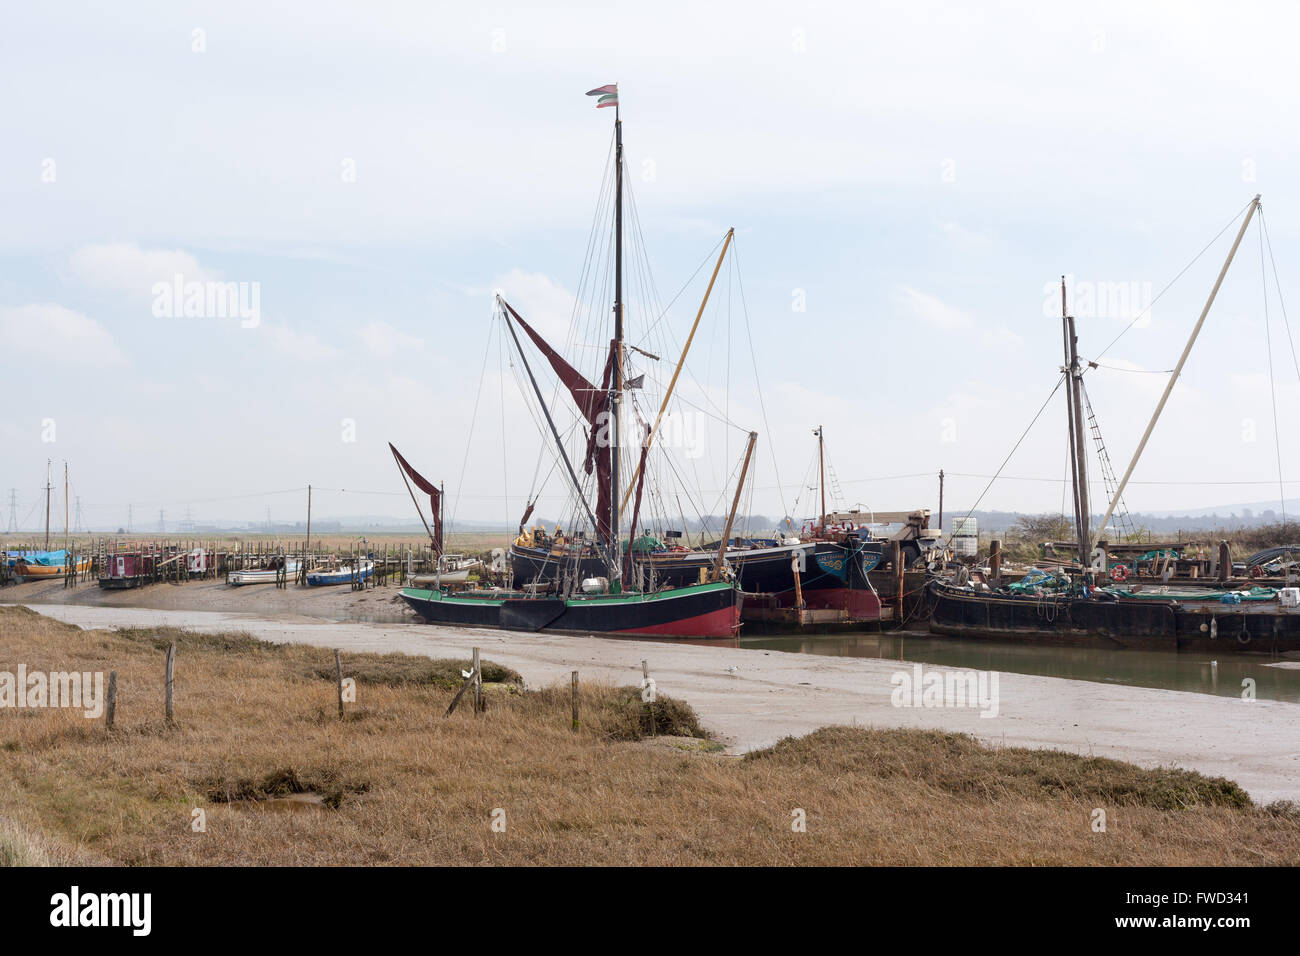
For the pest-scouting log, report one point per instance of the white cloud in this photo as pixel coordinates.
(1001, 338)
(58, 334)
(931, 310)
(386, 341)
(301, 345)
(544, 304)
(125, 267)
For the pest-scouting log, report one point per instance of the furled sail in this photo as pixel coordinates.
(592, 402)
(430, 489)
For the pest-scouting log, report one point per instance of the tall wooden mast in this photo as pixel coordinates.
(821, 479)
(616, 391)
(48, 488)
(1077, 433)
(721, 560)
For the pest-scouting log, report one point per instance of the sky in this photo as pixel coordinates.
(907, 183)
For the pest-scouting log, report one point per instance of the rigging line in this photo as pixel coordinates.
(589, 272)
(1272, 387)
(592, 235)
(709, 257)
(505, 444)
(1064, 477)
(682, 483)
(1277, 283)
(469, 439)
(762, 404)
(1154, 482)
(642, 256)
(731, 269)
(1037, 415)
(1174, 279)
(193, 501)
(716, 416)
(1140, 371)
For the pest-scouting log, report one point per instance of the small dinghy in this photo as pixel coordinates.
(265, 575)
(343, 575)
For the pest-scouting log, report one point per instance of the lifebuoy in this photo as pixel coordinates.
(1119, 573)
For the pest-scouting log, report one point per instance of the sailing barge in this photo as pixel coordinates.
(602, 596)
(1089, 606)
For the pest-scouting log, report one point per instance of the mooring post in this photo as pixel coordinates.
(995, 561)
(897, 559)
(798, 588)
(110, 706)
(169, 681)
(573, 683)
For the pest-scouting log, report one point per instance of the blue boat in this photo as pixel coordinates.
(343, 575)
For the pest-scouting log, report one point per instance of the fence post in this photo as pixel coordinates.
(574, 685)
(110, 707)
(170, 681)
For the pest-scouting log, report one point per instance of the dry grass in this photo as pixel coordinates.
(398, 783)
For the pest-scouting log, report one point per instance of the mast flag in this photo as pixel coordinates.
(608, 95)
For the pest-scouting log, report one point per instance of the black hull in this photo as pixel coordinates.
(829, 566)
(121, 584)
(1133, 623)
(710, 610)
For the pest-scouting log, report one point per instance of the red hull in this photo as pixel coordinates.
(858, 604)
(724, 622)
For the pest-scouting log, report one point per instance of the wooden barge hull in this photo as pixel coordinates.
(833, 579)
(1196, 626)
(704, 610)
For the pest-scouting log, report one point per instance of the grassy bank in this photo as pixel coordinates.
(258, 747)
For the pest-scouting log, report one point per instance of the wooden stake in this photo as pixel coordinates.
(573, 680)
(169, 681)
(110, 707)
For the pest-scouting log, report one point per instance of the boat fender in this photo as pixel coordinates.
(1119, 573)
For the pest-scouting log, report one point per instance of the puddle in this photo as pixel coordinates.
(290, 803)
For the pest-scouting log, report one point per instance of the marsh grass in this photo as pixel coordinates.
(402, 784)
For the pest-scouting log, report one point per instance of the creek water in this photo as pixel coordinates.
(1221, 675)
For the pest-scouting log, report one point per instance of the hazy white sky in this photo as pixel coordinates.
(917, 175)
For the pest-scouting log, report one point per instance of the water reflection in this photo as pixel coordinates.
(1172, 671)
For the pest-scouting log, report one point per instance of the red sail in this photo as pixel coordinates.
(430, 489)
(592, 402)
(589, 399)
